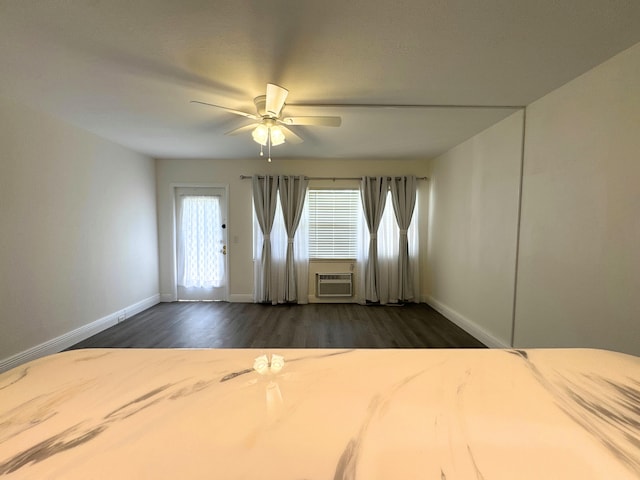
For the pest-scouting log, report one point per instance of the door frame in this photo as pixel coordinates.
(174, 236)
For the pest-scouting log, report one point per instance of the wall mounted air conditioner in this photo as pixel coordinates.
(334, 284)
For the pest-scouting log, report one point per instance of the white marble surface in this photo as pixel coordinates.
(325, 414)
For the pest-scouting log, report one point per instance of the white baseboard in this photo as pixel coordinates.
(466, 324)
(64, 341)
(168, 297)
(141, 306)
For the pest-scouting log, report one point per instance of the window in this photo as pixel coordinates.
(333, 223)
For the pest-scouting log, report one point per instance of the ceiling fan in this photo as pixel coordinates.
(270, 127)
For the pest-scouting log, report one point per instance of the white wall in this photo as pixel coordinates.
(579, 256)
(79, 229)
(473, 229)
(227, 172)
(579, 273)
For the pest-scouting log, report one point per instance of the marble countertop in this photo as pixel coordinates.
(322, 414)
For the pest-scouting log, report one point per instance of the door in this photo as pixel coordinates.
(201, 242)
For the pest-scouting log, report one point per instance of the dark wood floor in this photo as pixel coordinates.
(248, 325)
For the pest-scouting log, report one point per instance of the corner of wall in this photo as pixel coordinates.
(466, 324)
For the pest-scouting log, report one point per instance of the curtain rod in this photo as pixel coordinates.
(244, 177)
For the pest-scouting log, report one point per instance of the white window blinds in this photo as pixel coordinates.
(333, 223)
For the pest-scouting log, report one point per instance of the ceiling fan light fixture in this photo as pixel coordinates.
(277, 136)
(261, 134)
(264, 134)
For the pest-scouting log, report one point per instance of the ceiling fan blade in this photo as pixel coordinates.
(276, 97)
(237, 112)
(242, 129)
(290, 136)
(316, 121)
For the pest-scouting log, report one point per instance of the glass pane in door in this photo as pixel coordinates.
(201, 247)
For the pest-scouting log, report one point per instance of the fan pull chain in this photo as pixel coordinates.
(269, 145)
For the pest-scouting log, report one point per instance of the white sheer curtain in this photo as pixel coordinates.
(278, 256)
(199, 236)
(388, 234)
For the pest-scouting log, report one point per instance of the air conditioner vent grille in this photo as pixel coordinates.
(334, 284)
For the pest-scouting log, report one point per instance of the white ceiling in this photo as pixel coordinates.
(127, 70)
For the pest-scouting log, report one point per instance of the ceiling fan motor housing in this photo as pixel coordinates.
(260, 102)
